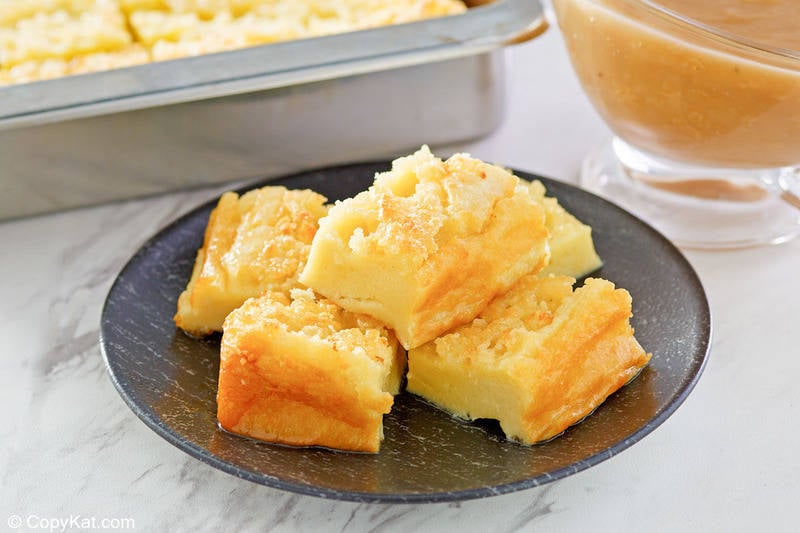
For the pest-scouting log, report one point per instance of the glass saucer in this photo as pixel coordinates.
(695, 207)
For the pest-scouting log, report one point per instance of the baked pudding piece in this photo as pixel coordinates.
(572, 250)
(61, 34)
(428, 245)
(300, 370)
(252, 244)
(538, 359)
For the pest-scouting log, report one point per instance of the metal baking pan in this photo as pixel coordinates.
(255, 112)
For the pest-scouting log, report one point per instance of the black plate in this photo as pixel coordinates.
(169, 380)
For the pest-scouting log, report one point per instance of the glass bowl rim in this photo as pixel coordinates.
(709, 32)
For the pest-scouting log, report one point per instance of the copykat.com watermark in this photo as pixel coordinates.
(74, 522)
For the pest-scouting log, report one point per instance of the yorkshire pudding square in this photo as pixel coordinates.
(34, 33)
(252, 244)
(572, 250)
(301, 370)
(538, 359)
(429, 244)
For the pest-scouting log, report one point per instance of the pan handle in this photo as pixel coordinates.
(534, 30)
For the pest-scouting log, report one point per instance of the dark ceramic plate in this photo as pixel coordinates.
(170, 380)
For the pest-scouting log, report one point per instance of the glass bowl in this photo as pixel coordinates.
(706, 120)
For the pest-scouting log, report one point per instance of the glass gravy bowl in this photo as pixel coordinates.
(706, 121)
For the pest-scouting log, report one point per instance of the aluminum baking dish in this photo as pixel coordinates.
(255, 112)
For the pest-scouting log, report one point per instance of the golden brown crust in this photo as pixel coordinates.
(538, 359)
(252, 244)
(300, 370)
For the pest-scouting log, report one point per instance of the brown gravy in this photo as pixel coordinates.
(688, 98)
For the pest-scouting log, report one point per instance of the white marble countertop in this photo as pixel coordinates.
(725, 461)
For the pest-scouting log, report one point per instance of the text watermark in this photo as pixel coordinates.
(67, 523)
